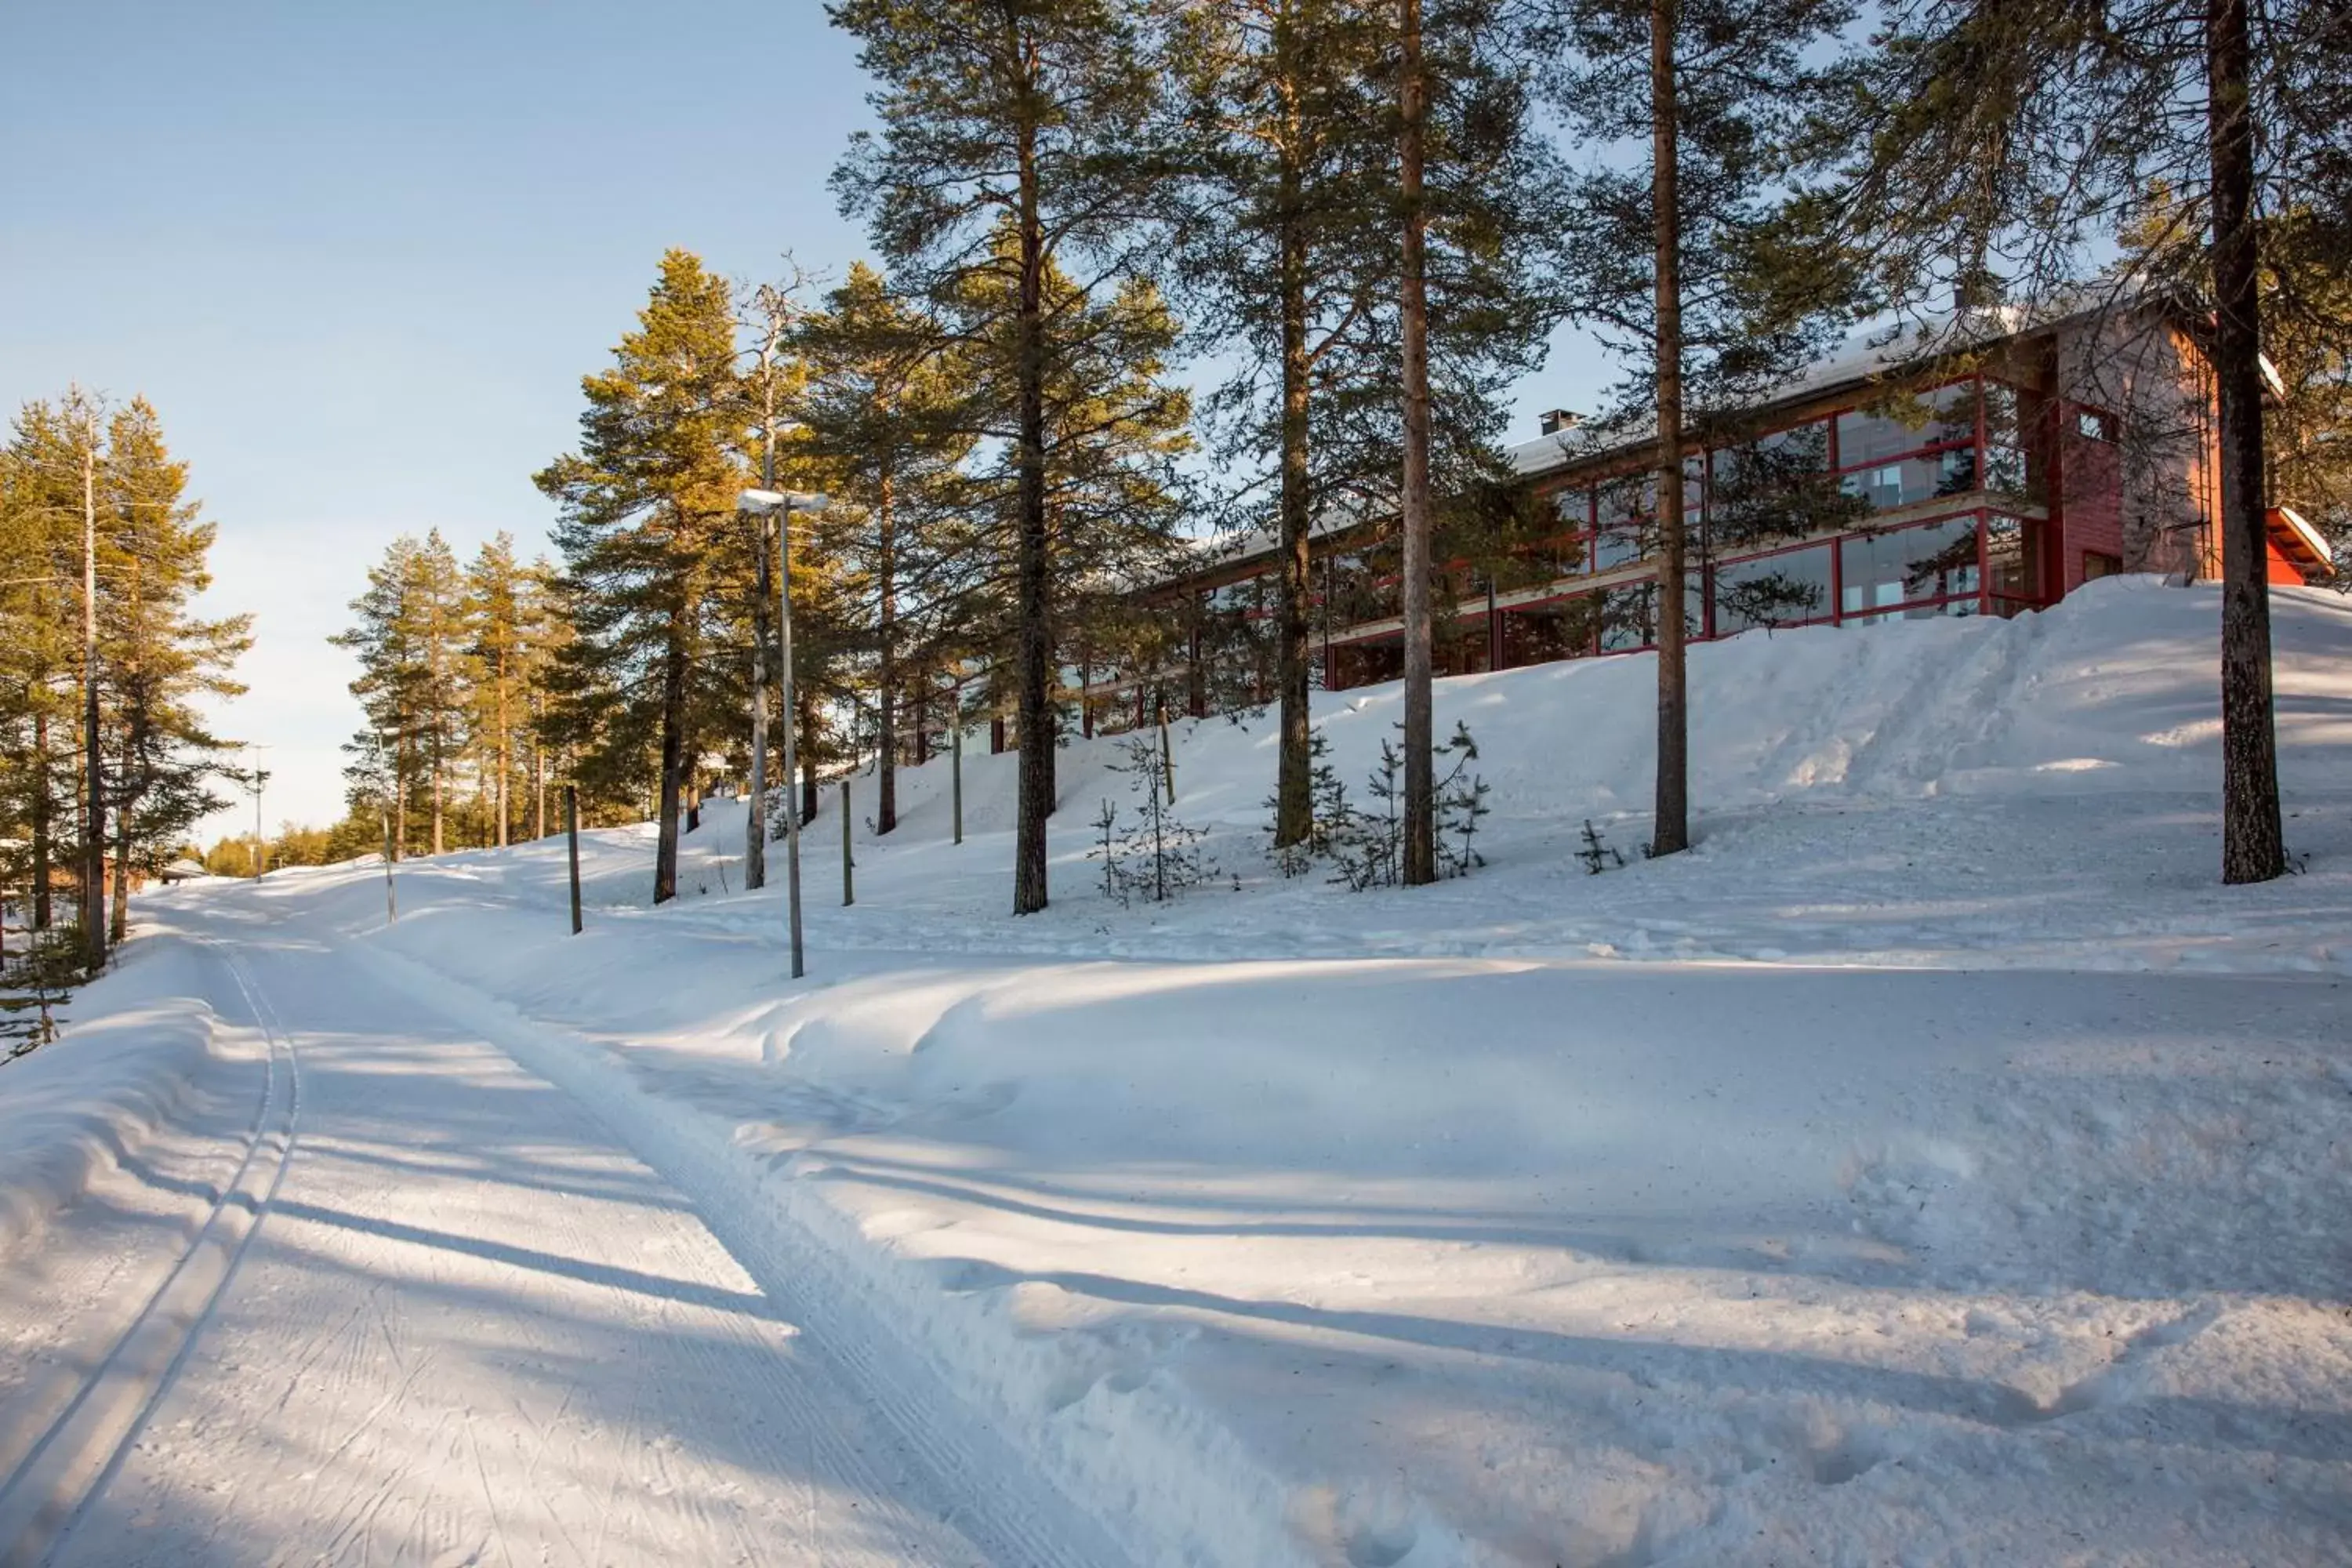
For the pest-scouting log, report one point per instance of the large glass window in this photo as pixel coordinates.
(1907, 482)
(1943, 416)
(1629, 616)
(1567, 554)
(1783, 590)
(1624, 522)
(1776, 488)
(1906, 571)
(2013, 561)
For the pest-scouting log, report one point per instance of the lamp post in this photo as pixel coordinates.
(782, 504)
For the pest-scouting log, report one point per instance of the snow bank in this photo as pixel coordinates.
(1988, 1211)
(2117, 687)
(1467, 1261)
(134, 1042)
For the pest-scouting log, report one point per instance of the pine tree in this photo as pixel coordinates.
(496, 607)
(39, 551)
(649, 515)
(883, 413)
(1014, 138)
(1479, 210)
(1989, 150)
(159, 658)
(1668, 259)
(1284, 252)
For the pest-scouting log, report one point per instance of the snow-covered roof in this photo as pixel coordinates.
(2310, 538)
(1872, 352)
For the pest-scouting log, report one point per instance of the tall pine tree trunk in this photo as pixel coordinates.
(1293, 806)
(119, 920)
(764, 580)
(885, 763)
(93, 871)
(1419, 763)
(2253, 846)
(41, 851)
(673, 760)
(1671, 831)
(400, 795)
(805, 700)
(1037, 787)
(505, 749)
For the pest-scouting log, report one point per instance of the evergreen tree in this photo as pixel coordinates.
(1989, 150)
(39, 573)
(882, 414)
(411, 641)
(1670, 261)
(1479, 211)
(496, 603)
(648, 519)
(158, 658)
(1284, 253)
(1015, 137)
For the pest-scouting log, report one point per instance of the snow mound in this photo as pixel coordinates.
(134, 1042)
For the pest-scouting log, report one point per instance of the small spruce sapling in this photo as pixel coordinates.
(1330, 811)
(1597, 855)
(1367, 845)
(1155, 857)
(1461, 802)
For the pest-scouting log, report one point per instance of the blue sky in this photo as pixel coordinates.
(360, 252)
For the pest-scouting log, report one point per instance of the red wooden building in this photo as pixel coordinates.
(1990, 481)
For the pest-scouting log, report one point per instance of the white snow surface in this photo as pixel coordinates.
(1936, 1165)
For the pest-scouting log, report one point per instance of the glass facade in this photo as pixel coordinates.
(1790, 589)
(1899, 509)
(1929, 570)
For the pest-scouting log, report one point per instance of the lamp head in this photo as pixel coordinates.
(766, 502)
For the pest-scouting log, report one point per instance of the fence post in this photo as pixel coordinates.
(848, 886)
(955, 770)
(391, 906)
(571, 832)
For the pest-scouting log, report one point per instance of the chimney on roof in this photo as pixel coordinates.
(1556, 420)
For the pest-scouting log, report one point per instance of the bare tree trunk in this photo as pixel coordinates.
(672, 757)
(2254, 847)
(886, 764)
(41, 847)
(1419, 763)
(399, 797)
(1294, 803)
(94, 825)
(1671, 830)
(1036, 787)
(505, 749)
(119, 922)
(806, 701)
(755, 823)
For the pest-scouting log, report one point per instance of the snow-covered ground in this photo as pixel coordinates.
(1959, 1178)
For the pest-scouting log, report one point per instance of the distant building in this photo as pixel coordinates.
(1991, 481)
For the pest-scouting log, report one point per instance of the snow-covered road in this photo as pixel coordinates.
(442, 1314)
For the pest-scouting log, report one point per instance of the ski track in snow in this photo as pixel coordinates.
(1986, 1209)
(471, 1326)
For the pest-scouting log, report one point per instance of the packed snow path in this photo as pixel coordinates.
(439, 1313)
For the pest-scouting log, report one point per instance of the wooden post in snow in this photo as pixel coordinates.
(571, 831)
(391, 905)
(955, 768)
(849, 865)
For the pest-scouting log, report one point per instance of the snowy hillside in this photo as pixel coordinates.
(1960, 1180)
(2038, 791)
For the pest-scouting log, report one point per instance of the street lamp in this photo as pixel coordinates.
(781, 505)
